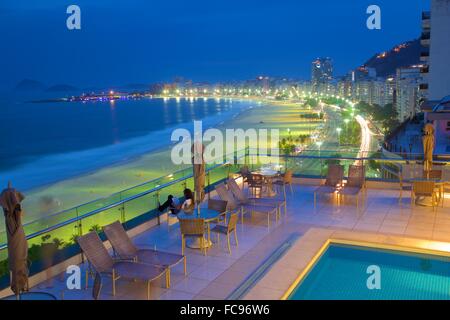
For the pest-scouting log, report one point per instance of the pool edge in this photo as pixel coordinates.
(362, 244)
(311, 246)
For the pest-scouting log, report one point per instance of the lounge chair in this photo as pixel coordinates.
(234, 205)
(126, 250)
(227, 230)
(355, 182)
(104, 264)
(333, 181)
(243, 199)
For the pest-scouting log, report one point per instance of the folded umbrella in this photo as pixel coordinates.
(10, 200)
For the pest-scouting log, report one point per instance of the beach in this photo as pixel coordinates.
(104, 181)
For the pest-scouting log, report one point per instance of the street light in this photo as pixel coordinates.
(346, 124)
(339, 135)
(319, 144)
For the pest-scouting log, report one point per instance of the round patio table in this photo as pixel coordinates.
(209, 216)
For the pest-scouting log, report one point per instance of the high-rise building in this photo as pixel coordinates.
(321, 74)
(377, 91)
(407, 90)
(390, 94)
(345, 87)
(425, 53)
(436, 73)
(435, 40)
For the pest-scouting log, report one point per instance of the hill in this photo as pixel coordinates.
(402, 55)
(29, 85)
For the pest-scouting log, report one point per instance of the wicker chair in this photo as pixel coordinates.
(439, 188)
(286, 180)
(432, 174)
(219, 206)
(193, 228)
(255, 184)
(355, 182)
(227, 230)
(126, 250)
(103, 263)
(333, 181)
(424, 189)
(245, 173)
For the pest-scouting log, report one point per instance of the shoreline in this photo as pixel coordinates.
(126, 160)
(106, 180)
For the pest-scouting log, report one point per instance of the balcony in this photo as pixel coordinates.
(425, 36)
(220, 275)
(423, 86)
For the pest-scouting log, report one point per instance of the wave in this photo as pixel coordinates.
(52, 168)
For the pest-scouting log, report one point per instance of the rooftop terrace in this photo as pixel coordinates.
(220, 275)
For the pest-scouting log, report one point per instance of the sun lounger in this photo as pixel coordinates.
(125, 249)
(234, 205)
(355, 182)
(333, 181)
(104, 264)
(243, 199)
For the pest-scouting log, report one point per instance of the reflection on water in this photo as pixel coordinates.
(50, 142)
(33, 130)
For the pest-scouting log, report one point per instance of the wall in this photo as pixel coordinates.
(439, 76)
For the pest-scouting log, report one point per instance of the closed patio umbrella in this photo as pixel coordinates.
(428, 147)
(199, 173)
(10, 200)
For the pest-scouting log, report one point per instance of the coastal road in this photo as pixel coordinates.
(329, 137)
(366, 137)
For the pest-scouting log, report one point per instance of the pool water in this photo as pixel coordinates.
(341, 273)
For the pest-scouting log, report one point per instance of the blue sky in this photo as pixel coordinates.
(142, 41)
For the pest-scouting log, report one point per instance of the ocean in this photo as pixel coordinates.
(46, 142)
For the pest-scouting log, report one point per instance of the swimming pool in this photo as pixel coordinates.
(342, 273)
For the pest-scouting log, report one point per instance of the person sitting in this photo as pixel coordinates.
(172, 203)
(188, 205)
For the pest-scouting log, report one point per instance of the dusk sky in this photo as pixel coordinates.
(143, 41)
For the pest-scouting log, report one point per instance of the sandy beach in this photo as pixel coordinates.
(109, 180)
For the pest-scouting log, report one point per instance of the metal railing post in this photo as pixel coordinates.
(209, 184)
(79, 224)
(79, 228)
(247, 154)
(122, 213)
(157, 205)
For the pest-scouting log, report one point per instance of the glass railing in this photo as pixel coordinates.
(57, 233)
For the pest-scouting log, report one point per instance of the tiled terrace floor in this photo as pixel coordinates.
(216, 275)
